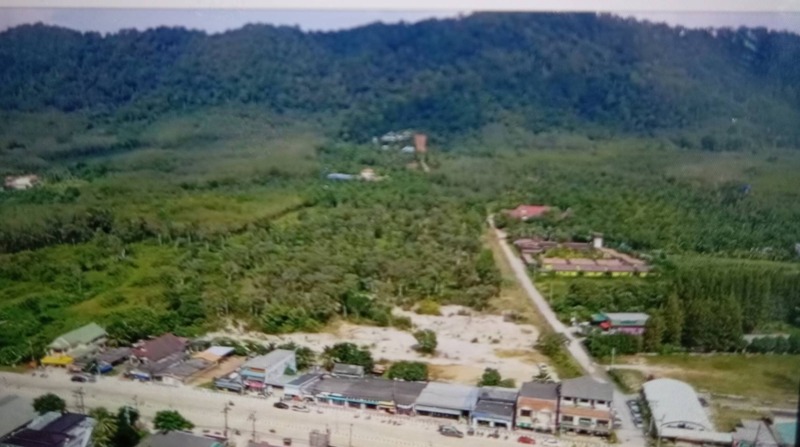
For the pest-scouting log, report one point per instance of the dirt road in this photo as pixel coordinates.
(204, 408)
(628, 434)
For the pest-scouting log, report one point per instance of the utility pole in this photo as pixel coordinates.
(613, 352)
(79, 400)
(252, 418)
(225, 411)
(351, 435)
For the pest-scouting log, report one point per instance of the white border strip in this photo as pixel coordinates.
(429, 5)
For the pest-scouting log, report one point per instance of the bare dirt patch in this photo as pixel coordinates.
(467, 343)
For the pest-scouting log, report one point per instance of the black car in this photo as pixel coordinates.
(79, 378)
(449, 430)
(281, 405)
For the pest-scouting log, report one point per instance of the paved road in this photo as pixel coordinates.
(628, 434)
(204, 408)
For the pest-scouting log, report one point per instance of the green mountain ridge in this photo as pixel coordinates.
(715, 90)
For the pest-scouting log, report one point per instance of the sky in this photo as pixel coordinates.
(215, 21)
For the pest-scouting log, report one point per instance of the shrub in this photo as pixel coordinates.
(429, 307)
(426, 341)
(411, 371)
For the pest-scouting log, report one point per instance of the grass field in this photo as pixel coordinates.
(765, 380)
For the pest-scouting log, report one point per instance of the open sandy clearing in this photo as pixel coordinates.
(468, 342)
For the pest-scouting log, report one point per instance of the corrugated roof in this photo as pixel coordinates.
(161, 347)
(498, 410)
(448, 395)
(16, 412)
(624, 317)
(498, 394)
(82, 335)
(267, 360)
(345, 369)
(671, 400)
(587, 388)
(538, 390)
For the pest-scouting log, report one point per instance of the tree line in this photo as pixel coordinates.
(449, 77)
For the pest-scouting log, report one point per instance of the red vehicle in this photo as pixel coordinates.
(526, 440)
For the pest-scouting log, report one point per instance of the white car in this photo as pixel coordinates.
(551, 442)
(301, 408)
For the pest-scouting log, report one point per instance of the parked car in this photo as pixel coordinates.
(281, 405)
(449, 430)
(83, 378)
(551, 442)
(300, 408)
(526, 440)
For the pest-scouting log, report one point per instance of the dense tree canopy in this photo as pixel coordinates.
(455, 76)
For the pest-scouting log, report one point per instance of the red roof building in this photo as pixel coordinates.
(525, 212)
(159, 348)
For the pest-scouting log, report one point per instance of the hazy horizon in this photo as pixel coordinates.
(218, 21)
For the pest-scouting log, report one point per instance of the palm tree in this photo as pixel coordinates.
(105, 428)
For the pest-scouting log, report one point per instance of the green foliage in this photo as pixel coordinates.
(126, 435)
(105, 427)
(602, 345)
(305, 356)
(49, 402)
(673, 320)
(426, 341)
(348, 353)
(653, 333)
(478, 75)
(170, 420)
(490, 377)
(775, 345)
(408, 370)
(428, 307)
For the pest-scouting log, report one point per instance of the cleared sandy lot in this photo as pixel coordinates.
(468, 342)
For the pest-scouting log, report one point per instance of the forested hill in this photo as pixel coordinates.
(719, 90)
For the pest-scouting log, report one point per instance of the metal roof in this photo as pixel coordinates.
(267, 360)
(448, 395)
(498, 394)
(497, 410)
(82, 335)
(16, 411)
(538, 390)
(622, 318)
(587, 388)
(676, 408)
(345, 369)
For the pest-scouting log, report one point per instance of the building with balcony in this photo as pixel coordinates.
(585, 406)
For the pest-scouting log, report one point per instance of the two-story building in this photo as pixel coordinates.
(537, 406)
(259, 372)
(495, 407)
(52, 429)
(585, 406)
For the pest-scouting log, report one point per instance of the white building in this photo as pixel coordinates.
(677, 414)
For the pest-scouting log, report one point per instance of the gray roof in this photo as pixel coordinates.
(267, 360)
(305, 379)
(178, 439)
(82, 335)
(497, 409)
(498, 394)
(333, 385)
(538, 390)
(752, 433)
(623, 318)
(16, 411)
(187, 369)
(350, 370)
(406, 393)
(587, 388)
(672, 400)
(449, 396)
